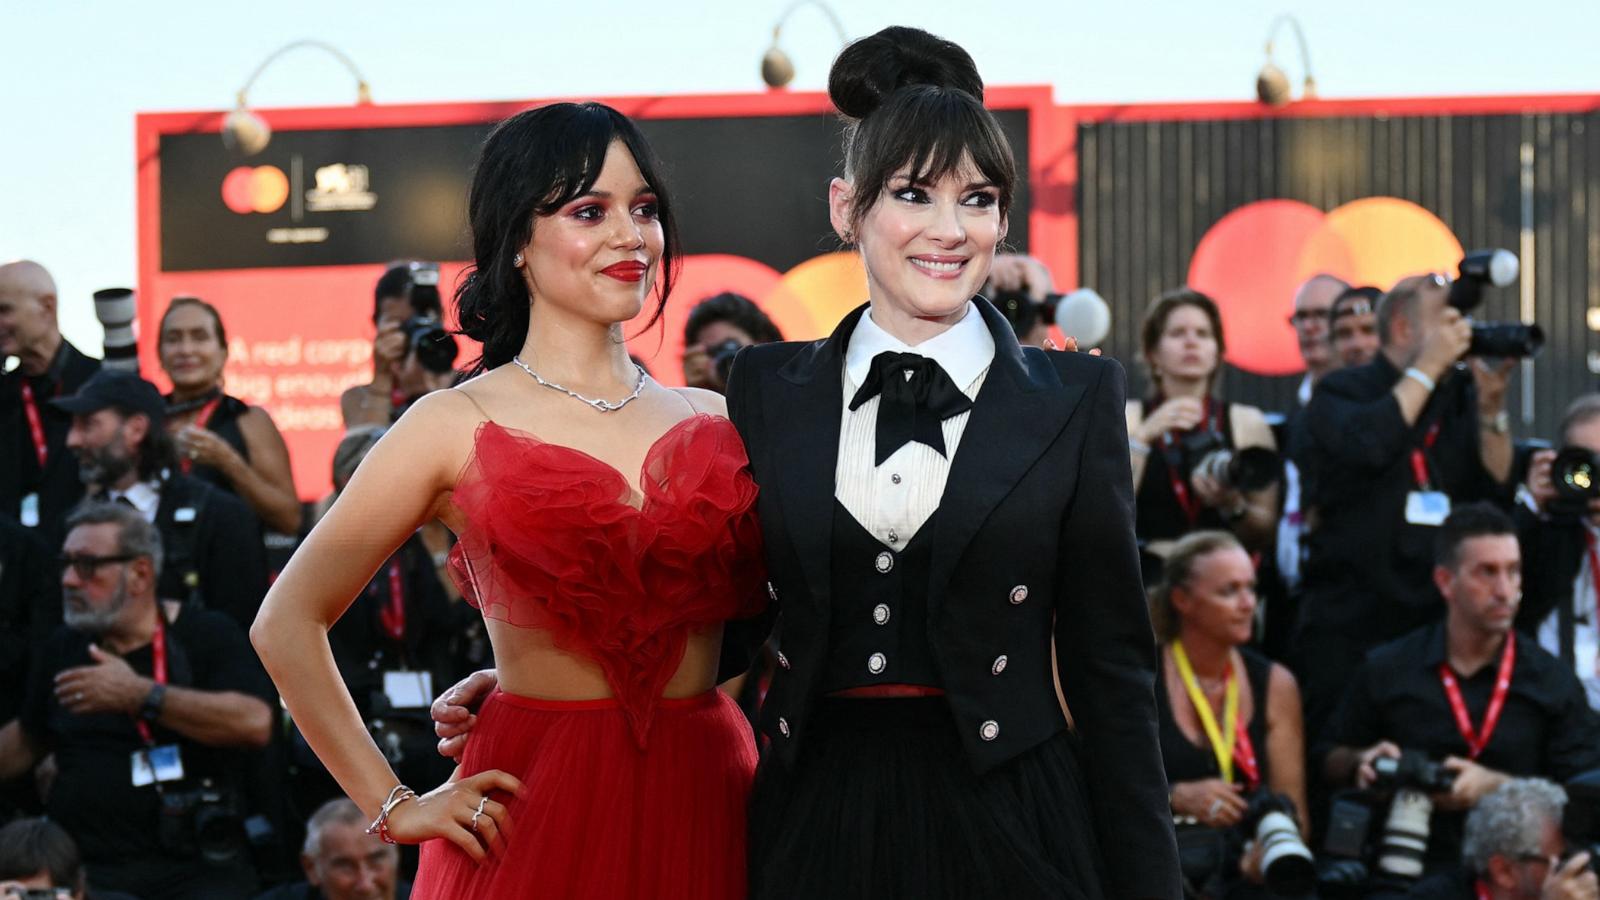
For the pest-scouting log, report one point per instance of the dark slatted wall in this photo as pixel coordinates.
(1149, 190)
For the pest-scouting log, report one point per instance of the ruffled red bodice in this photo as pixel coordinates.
(550, 541)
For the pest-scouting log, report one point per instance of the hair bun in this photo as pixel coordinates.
(872, 68)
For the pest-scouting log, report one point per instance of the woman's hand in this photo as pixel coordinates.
(461, 812)
(1215, 495)
(204, 448)
(1177, 414)
(1212, 802)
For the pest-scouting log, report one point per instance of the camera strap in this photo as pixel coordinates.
(1236, 746)
(1482, 890)
(393, 614)
(1497, 700)
(201, 419)
(158, 672)
(1169, 449)
(1419, 458)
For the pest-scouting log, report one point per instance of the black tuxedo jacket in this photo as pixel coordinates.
(1033, 547)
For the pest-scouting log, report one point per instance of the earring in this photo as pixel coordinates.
(849, 237)
(516, 261)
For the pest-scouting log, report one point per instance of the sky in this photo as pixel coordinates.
(74, 73)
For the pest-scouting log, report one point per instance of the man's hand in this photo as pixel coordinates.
(1015, 272)
(1446, 343)
(1572, 881)
(1365, 773)
(1493, 378)
(108, 685)
(1472, 783)
(454, 714)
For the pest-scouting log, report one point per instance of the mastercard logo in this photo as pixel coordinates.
(255, 189)
(1254, 258)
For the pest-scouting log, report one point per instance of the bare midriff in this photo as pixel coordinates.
(531, 665)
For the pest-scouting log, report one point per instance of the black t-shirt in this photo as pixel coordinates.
(56, 483)
(1546, 727)
(93, 797)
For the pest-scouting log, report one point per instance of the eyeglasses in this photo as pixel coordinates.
(1304, 316)
(86, 566)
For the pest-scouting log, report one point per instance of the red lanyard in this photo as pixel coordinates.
(158, 653)
(201, 419)
(35, 424)
(1497, 700)
(1180, 486)
(393, 615)
(1244, 754)
(1483, 890)
(1419, 461)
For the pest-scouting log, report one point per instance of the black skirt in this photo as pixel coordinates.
(883, 803)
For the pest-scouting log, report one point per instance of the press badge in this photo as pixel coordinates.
(183, 514)
(157, 764)
(1427, 507)
(408, 690)
(29, 513)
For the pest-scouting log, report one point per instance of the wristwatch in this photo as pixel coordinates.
(150, 710)
(1500, 423)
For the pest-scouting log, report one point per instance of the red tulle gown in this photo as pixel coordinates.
(636, 796)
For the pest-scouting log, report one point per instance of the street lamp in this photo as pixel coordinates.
(1272, 86)
(776, 68)
(247, 132)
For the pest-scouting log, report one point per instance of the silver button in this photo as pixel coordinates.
(783, 726)
(1019, 594)
(989, 730)
(885, 562)
(894, 538)
(876, 663)
(783, 661)
(999, 665)
(772, 592)
(895, 478)
(880, 614)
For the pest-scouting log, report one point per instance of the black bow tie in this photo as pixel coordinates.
(917, 397)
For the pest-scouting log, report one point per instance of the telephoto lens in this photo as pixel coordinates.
(1286, 861)
(116, 309)
(1405, 834)
(1575, 473)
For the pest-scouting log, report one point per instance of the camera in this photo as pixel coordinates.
(1413, 770)
(720, 357)
(434, 346)
(1206, 452)
(1082, 315)
(116, 309)
(1412, 777)
(1497, 268)
(1575, 472)
(203, 821)
(1286, 863)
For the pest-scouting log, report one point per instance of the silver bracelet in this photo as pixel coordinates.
(1421, 377)
(1138, 447)
(380, 826)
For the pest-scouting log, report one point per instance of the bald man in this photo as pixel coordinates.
(38, 477)
(1312, 302)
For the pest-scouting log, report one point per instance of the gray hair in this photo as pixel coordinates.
(1510, 821)
(135, 536)
(338, 811)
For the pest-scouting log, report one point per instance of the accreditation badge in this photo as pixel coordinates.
(1429, 508)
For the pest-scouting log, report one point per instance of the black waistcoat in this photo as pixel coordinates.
(879, 625)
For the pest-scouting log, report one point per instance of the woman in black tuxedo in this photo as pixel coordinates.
(942, 507)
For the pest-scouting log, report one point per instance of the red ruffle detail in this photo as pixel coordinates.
(551, 542)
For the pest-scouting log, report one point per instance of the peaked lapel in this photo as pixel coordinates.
(804, 403)
(1018, 413)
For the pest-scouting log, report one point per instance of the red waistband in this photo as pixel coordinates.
(698, 701)
(889, 691)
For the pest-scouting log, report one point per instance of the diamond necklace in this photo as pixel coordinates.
(602, 405)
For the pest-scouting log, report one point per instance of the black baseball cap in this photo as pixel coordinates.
(114, 387)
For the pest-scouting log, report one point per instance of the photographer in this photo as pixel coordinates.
(407, 312)
(1185, 443)
(1559, 541)
(718, 327)
(1019, 285)
(38, 477)
(149, 708)
(1513, 850)
(215, 557)
(39, 861)
(1222, 777)
(1392, 445)
(1471, 701)
(1353, 326)
(342, 862)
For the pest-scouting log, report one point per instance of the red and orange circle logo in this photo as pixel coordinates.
(1254, 258)
(259, 189)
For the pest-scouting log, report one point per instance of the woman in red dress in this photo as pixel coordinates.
(607, 530)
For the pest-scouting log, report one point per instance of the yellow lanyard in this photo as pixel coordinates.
(1222, 746)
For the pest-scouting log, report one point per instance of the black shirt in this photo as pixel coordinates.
(1158, 513)
(1186, 760)
(93, 797)
(1456, 884)
(57, 483)
(1546, 728)
(1369, 570)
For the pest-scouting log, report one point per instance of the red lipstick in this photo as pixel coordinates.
(630, 271)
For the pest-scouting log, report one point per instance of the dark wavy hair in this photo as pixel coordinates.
(531, 165)
(913, 100)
